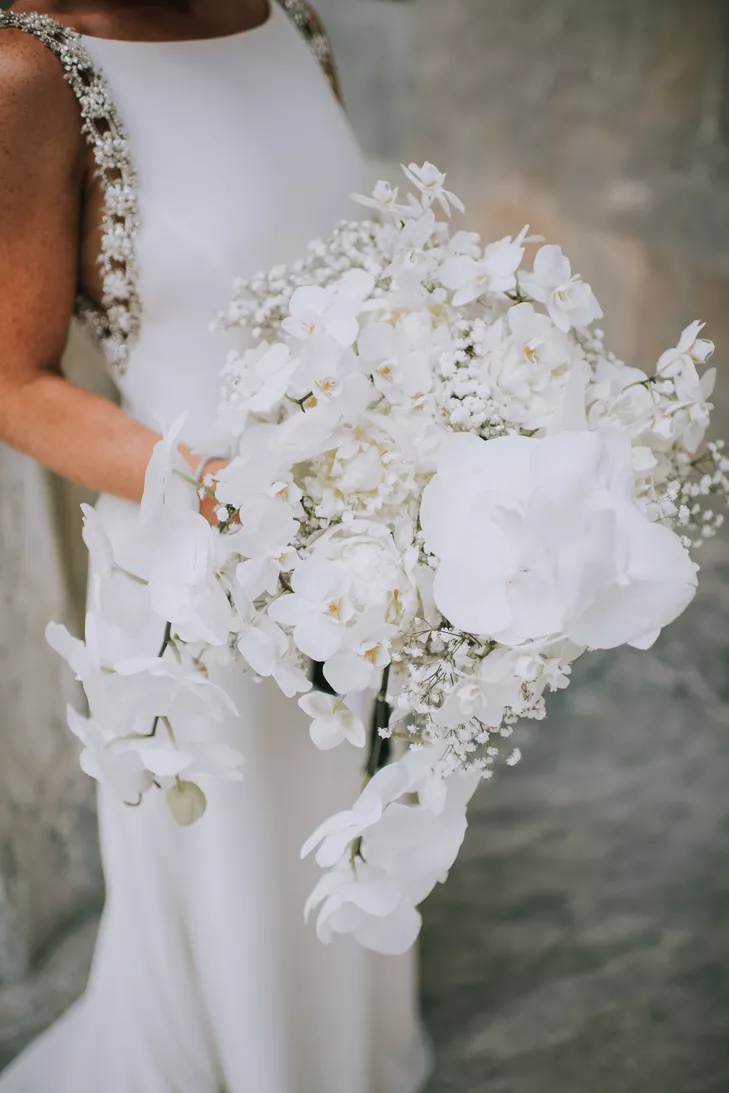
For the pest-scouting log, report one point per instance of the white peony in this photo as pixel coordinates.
(539, 537)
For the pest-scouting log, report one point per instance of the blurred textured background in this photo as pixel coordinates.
(583, 940)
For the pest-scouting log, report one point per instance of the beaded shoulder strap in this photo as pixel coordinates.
(305, 18)
(115, 324)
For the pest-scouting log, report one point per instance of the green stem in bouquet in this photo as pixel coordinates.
(166, 643)
(379, 748)
(379, 751)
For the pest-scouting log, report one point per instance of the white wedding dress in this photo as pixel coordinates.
(206, 979)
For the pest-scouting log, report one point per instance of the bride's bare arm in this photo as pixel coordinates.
(42, 161)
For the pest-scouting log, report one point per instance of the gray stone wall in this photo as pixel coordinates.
(604, 123)
(50, 875)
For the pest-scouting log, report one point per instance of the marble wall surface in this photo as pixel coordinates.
(582, 942)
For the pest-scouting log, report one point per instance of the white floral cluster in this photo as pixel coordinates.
(444, 490)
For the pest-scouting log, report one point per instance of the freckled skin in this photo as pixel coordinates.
(50, 227)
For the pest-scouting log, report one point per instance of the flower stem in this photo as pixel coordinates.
(166, 642)
(194, 482)
(379, 747)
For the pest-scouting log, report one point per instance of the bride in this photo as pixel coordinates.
(190, 143)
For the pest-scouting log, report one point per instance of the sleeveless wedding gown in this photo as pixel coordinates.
(206, 979)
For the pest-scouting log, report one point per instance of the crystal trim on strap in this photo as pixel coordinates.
(305, 18)
(115, 324)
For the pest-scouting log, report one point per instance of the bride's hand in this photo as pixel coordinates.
(211, 469)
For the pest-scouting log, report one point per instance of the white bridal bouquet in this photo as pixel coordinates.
(443, 489)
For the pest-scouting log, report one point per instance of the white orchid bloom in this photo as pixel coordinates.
(165, 758)
(333, 721)
(697, 350)
(125, 695)
(691, 415)
(569, 301)
(267, 649)
(183, 587)
(412, 240)
(259, 641)
(325, 368)
(418, 846)
(380, 587)
(369, 905)
(138, 690)
(464, 243)
(162, 485)
(318, 608)
(399, 368)
(258, 575)
(121, 597)
(431, 184)
(124, 772)
(384, 200)
(289, 670)
(540, 537)
(470, 278)
(335, 834)
(542, 344)
(258, 466)
(316, 312)
(405, 853)
(84, 657)
(359, 665)
(262, 377)
(268, 525)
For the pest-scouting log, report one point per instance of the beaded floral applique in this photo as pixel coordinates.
(115, 324)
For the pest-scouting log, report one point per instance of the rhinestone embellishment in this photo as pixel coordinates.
(115, 324)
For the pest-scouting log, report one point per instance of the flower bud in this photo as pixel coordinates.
(187, 803)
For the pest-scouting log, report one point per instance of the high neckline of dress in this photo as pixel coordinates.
(178, 43)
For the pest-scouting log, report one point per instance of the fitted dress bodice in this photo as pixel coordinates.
(243, 154)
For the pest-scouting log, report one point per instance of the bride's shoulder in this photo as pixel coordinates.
(37, 106)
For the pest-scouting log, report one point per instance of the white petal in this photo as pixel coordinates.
(353, 729)
(551, 266)
(290, 609)
(391, 936)
(318, 637)
(478, 607)
(258, 650)
(345, 330)
(318, 704)
(317, 579)
(326, 733)
(70, 648)
(376, 342)
(310, 299)
(346, 672)
(97, 541)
